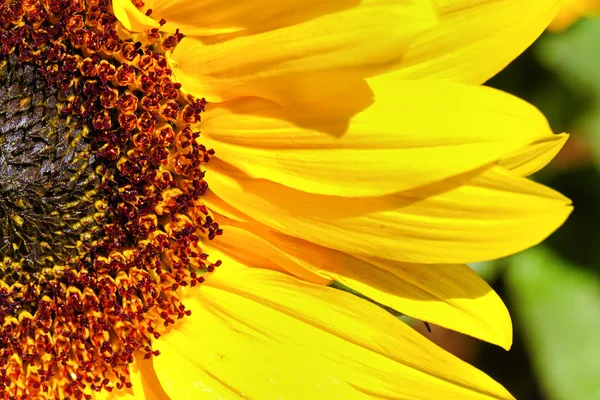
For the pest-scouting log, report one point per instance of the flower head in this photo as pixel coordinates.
(145, 147)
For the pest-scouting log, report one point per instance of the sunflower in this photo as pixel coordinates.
(182, 182)
(572, 11)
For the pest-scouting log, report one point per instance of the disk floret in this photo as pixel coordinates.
(101, 217)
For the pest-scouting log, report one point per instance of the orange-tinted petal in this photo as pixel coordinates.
(254, 251)
(145, 382)
(573, 10)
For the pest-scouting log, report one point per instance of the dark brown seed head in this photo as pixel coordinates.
(101, 218)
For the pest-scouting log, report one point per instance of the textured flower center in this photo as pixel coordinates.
(101, 219)
(47, 178)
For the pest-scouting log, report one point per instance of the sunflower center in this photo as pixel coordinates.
(101, 217)
(47, 179)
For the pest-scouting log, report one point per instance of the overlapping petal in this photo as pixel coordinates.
(535, 156)
(262, 334)
(305, 62)
(476, 216)
(329, 171)
(475, 39)
(132, 18)
(392, 144)
(145, 384)
(212, 17)
(452, 296)
(258, 252)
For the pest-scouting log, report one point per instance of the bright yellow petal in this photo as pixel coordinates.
(535, 156)
(132, 18)
(476, 216)
(476, 39)
(217, 204)
(256, 252)
(211, 17)
(145, 384)
(304, 62)
(452, 296)
(448, 295)
(262, 334)
(413, 133)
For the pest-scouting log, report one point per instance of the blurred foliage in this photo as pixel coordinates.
(575, 58)
(553, 291)
(558, 306)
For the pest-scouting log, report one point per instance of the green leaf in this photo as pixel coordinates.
(488, 270)
(558, 307)
(574, 55)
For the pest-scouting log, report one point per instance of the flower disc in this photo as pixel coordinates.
(100, 184)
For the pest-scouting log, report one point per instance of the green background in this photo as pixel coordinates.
(553, 290)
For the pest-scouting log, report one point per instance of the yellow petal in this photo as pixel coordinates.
(476, 39)
(262, 334)
(256, 252)
(452, 296)
(132, 19)
(145, 384)
(211, 17)
(414, 133)
(476, 216)
(217, 205)
(303, 62)
(535, 156)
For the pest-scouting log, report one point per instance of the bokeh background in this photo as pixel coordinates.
(553, 290)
